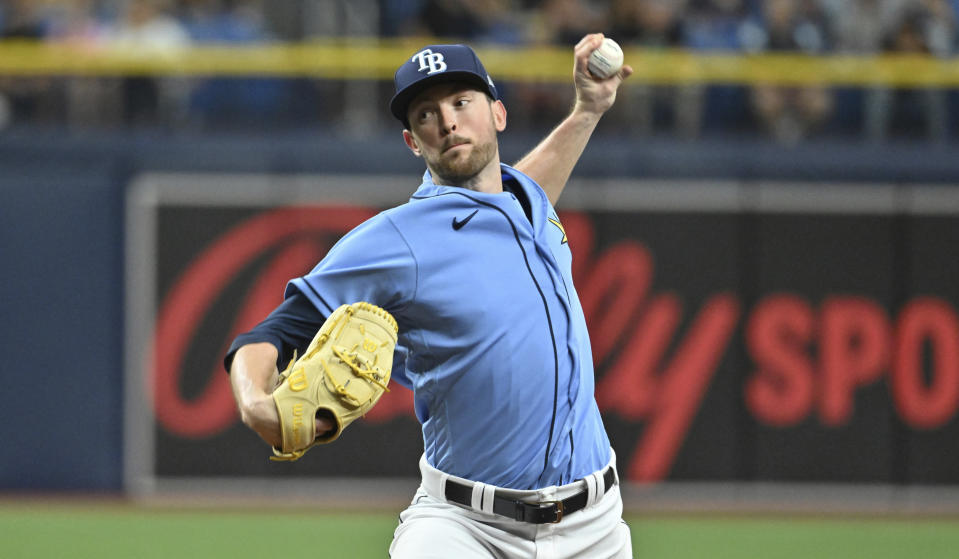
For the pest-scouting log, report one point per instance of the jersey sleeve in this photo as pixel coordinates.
(371, 263)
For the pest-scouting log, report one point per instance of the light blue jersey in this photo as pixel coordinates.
(493, 340)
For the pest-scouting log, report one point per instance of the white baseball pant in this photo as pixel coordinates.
(433, 528)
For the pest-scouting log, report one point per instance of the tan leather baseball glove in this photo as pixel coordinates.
(343, 373)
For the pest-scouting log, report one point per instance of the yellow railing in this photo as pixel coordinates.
(371, 59)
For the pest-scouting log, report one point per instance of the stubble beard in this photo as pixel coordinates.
(462, 172)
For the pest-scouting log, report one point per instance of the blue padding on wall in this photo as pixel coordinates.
(61, 244)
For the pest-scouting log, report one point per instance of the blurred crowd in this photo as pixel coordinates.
(788, 114)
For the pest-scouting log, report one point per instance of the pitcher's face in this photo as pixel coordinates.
(453, 127)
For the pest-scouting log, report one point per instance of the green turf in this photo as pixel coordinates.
(38, 530)
(106, 533)
(794, 538)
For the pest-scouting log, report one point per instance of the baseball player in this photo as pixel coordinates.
(476, 271)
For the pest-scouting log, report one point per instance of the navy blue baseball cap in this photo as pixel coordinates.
(435, 64)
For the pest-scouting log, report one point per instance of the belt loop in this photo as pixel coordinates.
(594, 488)
(477, 500)
(489, 495)
(612, 464)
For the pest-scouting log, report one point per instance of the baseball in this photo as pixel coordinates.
(606, 60)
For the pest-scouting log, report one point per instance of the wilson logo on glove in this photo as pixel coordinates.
(343, 373)
(297, 380)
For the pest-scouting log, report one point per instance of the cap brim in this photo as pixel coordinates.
(401, 101)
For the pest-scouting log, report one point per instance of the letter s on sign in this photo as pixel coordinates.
(782, 389)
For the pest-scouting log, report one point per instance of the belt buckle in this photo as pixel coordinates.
(559, 510)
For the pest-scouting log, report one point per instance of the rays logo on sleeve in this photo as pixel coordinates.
(554, 219)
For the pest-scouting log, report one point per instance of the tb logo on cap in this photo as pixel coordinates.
(429, 60)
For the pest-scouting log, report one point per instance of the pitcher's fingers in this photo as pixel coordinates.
(589, 39)
(324, 425)
(587, 45)
(582, 52)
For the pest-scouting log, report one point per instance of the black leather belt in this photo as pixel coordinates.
(549, 512)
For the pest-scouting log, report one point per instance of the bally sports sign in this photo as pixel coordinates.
(742, 332)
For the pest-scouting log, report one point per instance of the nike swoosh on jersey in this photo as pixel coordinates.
(457, 225)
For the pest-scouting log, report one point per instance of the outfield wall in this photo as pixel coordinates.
(804, 297)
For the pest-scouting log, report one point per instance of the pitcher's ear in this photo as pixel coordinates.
(411, 142)
(499, 115)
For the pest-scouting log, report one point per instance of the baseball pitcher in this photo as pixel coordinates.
(465, 295)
